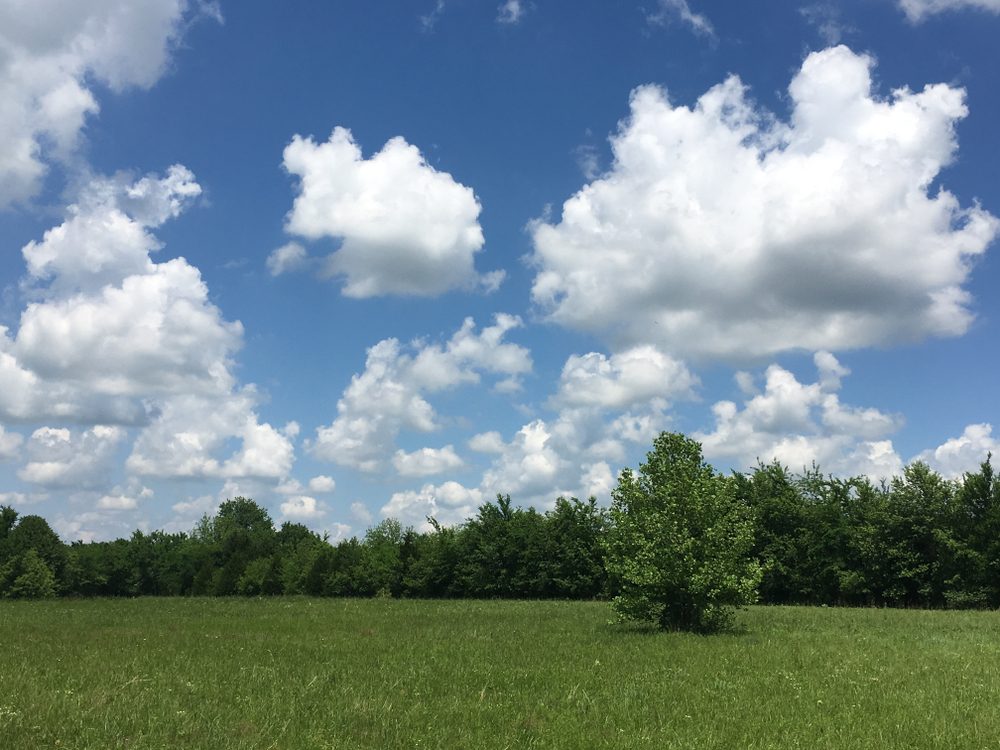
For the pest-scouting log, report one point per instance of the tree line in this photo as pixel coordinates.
(918, 540)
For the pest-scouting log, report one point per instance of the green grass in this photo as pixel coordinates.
(310, 673)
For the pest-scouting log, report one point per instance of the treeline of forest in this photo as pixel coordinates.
(919, 540)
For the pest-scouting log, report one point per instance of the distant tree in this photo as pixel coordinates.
(34, 533)
(243, 531)
(978, 523)
(27, 577)
(680, 541)
(574, 558)
(381, 566)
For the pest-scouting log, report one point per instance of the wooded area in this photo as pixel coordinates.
(919, 540)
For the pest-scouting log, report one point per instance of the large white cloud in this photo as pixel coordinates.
(720, 231)
(389, 396)
(51, 52)
(405, 228)
(113, 337)
(917, 10)
(622, 380)
(800, 424)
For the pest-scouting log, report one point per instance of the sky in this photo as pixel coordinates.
(374, 259)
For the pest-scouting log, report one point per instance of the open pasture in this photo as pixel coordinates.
(335, 673)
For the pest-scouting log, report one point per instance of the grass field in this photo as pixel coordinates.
(307, 673)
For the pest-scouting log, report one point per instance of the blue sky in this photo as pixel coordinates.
(372, 259)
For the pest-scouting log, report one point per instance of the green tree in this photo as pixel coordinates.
(27, 577)
(680, 541)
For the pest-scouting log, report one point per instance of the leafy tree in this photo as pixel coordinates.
(680, 541)
(574, 558)
(27, 577)
(34, 533)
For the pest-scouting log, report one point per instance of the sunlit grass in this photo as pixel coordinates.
(311, 673)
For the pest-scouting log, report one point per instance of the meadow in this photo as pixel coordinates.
(351, 673)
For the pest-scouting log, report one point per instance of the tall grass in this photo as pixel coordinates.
(303, 673)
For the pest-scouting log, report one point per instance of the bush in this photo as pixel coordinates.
(680, 541)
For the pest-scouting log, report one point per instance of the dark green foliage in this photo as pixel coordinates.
(27, 576)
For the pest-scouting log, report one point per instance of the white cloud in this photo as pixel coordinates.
(487, 442)
(287, 258)
(530, 465)
(721, 232)
(957, 456)
(804, 423)
(114, 337)
(680, 9)
(389, 396)
(405, 228)
(109, 327)
(59, 458)
(322, 484)
(426, 462)
(510, 12)
(124, 498)
(623, 380)
(10, 444)
(918, 10)
(448, 503)
(190, 432)
(51, 53)
(302, 507)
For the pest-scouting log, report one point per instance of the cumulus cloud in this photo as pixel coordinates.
(302, 508)
(426, 462)
(190, 432)
(800, 424)
(965, 453)
(113, 337)
(58, 457)
(124, 498)
(389, 396)
(448, 503)
(487, 442)
(681, 10)
(322, 484)
(51, 53)
(109, 326)
(918, 10)
(722, 232)
(622, 380)
(404, 227)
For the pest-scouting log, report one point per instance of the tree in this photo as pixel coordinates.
(680, 541)
(27, 577)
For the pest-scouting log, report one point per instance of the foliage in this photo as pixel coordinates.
(920, 540)
(679, 542)
(27, 576)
